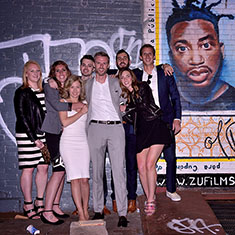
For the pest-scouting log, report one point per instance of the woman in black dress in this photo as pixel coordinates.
(152, 133)
(30, 110)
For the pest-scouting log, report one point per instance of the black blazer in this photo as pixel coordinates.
(29, 113)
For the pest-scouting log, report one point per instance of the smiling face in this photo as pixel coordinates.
(33, 74)
(196, 51)
(101, 65)
(61, 73)
(126, 80)
(87, 68)
(75, 90)
(122, 60)
(147, 56)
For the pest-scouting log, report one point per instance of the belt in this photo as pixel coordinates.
(106, 122)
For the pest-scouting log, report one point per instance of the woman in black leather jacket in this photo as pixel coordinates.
(152, 133)
(30, 112)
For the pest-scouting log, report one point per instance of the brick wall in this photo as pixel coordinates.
(45, 31)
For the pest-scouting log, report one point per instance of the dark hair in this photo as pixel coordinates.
(190, 12)
(101, 53)
(147, 46)
(53, 66)
(52, 73)
(122, 51)
(125, 92)
(88, 57)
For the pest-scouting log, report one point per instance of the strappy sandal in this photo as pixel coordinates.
(63, 216)
(46, 221)
(150, 208)
(26, 213)
(38, 207)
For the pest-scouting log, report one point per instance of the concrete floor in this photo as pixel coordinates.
(192, 215)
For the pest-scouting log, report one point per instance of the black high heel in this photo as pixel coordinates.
(63, 216)
(38, 207)
(46, 221)
(30, 210)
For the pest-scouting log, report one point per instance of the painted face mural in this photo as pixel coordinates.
(192, 37)
(198, 58)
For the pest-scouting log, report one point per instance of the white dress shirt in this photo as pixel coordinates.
(153, 84)
(101, 103)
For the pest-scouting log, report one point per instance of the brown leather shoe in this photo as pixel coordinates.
(131, 206)
(106, 211)
(75, 212)
(114, 206)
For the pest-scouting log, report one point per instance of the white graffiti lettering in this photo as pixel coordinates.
(190, 226)
(122, 35)
(3, 83)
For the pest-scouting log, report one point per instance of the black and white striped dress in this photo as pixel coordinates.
(29, 154)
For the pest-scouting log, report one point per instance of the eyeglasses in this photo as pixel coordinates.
(149, 77)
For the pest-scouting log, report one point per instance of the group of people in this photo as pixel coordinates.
(133, 115)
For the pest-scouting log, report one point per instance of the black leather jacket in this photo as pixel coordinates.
(145, 105)
(29, 113)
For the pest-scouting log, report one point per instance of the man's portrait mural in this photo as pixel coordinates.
(198, 59)
(195, 37)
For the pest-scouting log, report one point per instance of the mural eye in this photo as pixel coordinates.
(206, 45)
(181, 48)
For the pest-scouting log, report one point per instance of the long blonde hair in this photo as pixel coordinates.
(24, 76)
(68, 83)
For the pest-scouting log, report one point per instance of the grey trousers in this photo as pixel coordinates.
(100, 137)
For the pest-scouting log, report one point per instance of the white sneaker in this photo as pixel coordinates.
(173, 196)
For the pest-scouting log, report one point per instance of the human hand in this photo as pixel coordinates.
(176, 126)
(113, 76)
(52, 83)
(123, 108)
(77, 106)
(84, 109)
(39, 144)
(168, 70)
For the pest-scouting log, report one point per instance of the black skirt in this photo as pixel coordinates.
(150, 133)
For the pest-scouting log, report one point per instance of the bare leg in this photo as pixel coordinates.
(41, 182)
(85, 196)
(146, 161)
(51, 191)
(147, 169)
(152, 157)
(141, 162)
(26, 182)
(56, 204)
(77, 197)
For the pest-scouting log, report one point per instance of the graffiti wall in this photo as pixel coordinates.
(196, 37)
(46, 31)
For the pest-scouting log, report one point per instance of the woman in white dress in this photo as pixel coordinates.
(74, 148)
